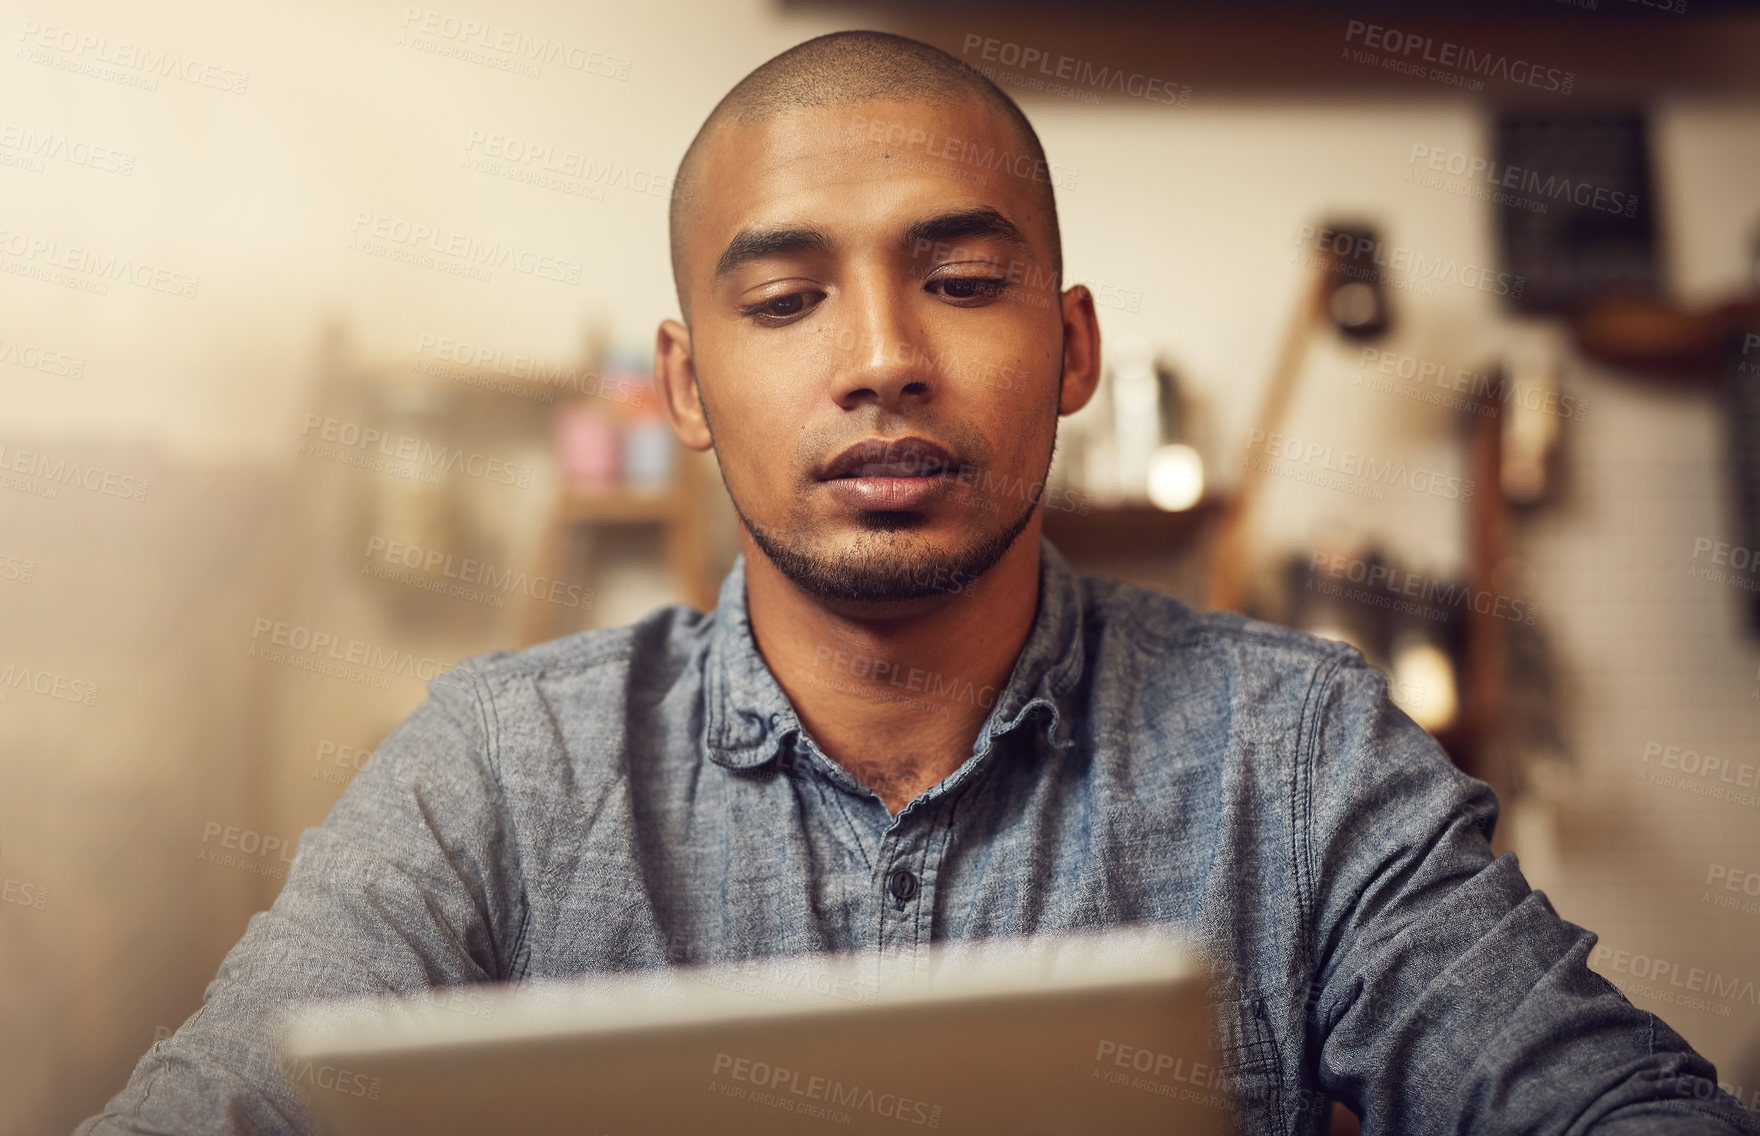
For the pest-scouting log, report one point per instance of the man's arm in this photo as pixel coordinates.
(1450, 996)
(411, 882)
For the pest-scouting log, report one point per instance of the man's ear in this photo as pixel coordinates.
(1081, 349)
(675, 372)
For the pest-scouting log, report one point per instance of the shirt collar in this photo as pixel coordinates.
(748, 718)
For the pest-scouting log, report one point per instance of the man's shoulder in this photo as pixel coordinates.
(1159, 624)
(660, 642)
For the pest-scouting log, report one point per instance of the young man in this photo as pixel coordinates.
(907, 721)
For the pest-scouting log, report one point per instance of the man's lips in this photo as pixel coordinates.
(888, 494)
(895, 469)
(890, 474)
(889, 458)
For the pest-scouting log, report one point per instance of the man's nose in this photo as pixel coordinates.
(876, 357)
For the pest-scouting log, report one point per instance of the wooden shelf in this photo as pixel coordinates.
(675, 509)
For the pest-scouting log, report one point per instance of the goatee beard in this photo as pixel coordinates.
(886, 565)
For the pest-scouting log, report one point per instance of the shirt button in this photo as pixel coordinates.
(903, 885)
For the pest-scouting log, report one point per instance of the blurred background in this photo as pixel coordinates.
(325, 351)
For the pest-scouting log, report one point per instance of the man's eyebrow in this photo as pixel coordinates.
(754, 244)
(979, 221)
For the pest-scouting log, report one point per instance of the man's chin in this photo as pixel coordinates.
(877, 568)
(890, 564)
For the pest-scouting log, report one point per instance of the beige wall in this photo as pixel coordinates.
(256, 194)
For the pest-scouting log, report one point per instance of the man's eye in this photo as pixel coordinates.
(969, 287)
(782, 309)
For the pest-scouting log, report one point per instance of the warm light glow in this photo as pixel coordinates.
(1176, 477)
(1353, 304)
(1423, 685)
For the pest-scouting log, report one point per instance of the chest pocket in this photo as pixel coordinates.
(1250, 1066)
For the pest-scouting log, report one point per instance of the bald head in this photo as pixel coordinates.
(847, 69)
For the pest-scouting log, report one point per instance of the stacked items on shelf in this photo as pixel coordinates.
(617, 437)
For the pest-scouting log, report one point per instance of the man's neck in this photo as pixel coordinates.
(896, 699)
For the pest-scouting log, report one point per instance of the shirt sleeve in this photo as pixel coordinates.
(409, 883)
(1448, 995)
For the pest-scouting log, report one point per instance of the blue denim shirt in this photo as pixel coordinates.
(646, 795)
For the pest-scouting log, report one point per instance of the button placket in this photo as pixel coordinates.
(903, 885)
(900, 885)
(900, 879)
